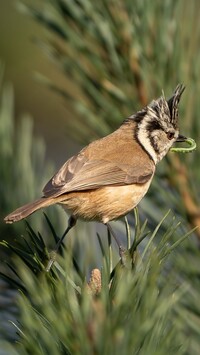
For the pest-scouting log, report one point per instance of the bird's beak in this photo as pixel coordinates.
(181, 138)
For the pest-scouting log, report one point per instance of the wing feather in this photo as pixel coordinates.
(79, 173)
(116, 159)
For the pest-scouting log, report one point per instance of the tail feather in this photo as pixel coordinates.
(26, 210)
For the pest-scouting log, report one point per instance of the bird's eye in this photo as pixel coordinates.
(170, 135)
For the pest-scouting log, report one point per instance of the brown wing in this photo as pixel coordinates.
(102, 163)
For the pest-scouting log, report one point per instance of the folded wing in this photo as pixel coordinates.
(82, 173)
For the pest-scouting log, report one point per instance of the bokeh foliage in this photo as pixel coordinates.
(138, 306)
(117, 56)
(24, 168)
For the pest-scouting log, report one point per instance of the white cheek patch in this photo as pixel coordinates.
(145, 141)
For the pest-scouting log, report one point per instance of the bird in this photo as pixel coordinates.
(110, 176)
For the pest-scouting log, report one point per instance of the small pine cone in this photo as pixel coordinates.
(94, 284)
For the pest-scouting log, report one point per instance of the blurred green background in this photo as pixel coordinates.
(79, 68)
(22, 59)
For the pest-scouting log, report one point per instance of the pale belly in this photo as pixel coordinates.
(106, 203)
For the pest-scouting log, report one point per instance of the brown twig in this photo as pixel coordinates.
(182, 183)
